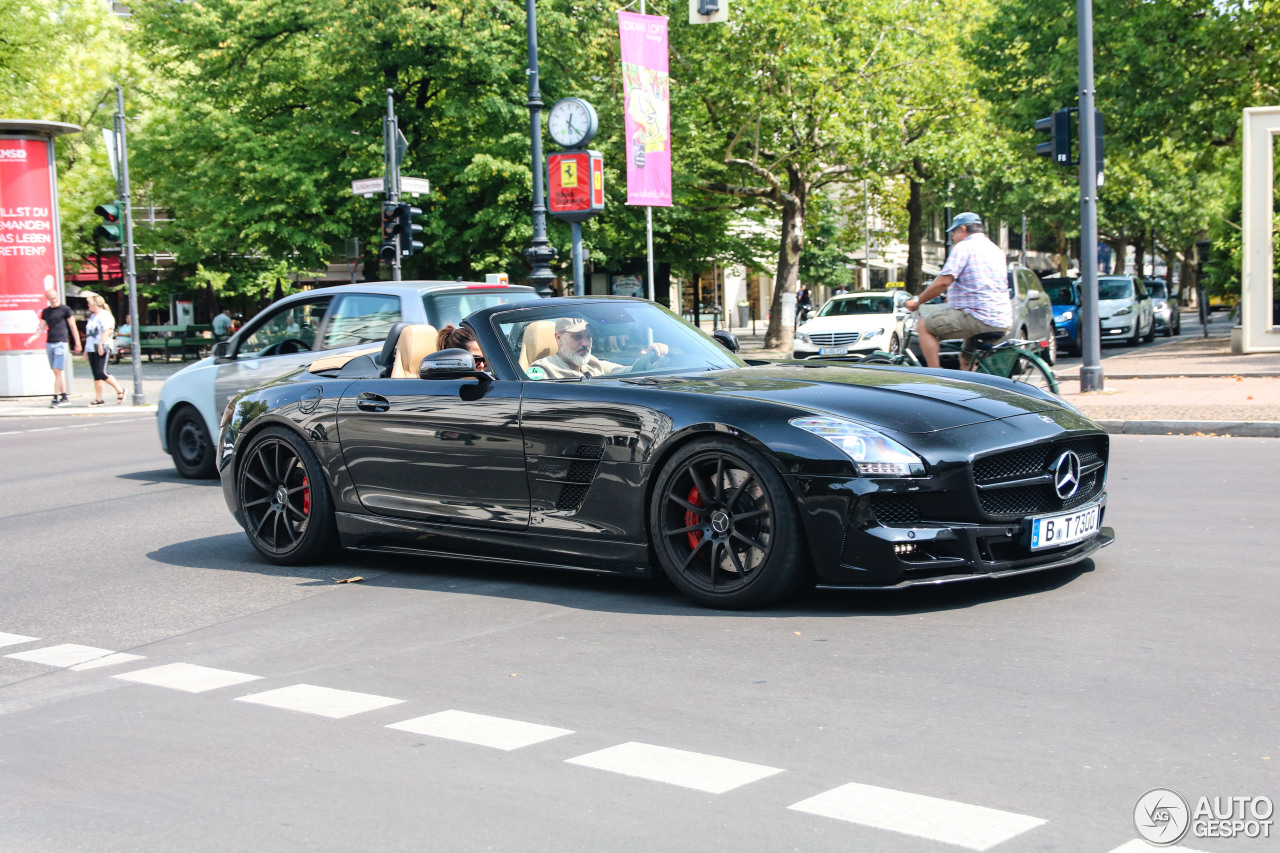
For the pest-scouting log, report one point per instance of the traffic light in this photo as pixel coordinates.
(1058, 126)
(708, 7)
(110, 231)
(1098, 138)
(390, 243)
(409, 230)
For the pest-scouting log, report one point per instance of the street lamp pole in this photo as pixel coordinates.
(540, 253)
(1091, 378)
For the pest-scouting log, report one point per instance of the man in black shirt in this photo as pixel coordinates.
(58, 321)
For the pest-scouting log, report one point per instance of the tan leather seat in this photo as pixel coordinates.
(539, 342)
(329, 362)
(416, 343)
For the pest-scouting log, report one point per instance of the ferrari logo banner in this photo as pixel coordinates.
(647, 108)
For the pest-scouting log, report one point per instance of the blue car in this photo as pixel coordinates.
(1064, 294)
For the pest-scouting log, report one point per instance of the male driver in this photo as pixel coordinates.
(979, 300)
(573, 359)
(57, 319)
(222, 325)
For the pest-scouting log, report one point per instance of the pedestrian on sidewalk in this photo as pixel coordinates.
(99, 345)
(222, 325)
(57, 320)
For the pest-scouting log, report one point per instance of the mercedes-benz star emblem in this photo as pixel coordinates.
(1066, 475)
(719, 521)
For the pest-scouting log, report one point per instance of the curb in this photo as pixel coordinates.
(1242, 429)
(76, 411)
(1228, 375)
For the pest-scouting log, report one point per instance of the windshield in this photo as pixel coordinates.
(1157, 290)
(569, 340)
(450, 307)
(1061, 292)
(1115, 288)
(863, 304)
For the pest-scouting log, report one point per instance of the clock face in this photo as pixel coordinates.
(572, 123)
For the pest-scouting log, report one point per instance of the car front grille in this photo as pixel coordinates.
(834, 339)
(990, 472)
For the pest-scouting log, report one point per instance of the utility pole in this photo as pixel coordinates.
(391, 131)
(130, 273)
(1091, 378)
(541, 252)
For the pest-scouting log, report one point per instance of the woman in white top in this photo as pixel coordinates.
(99, 344)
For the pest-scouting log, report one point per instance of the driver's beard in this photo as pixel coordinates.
(578, 360)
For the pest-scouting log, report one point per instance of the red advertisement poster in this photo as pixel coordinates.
(28, 241)
(569, 188)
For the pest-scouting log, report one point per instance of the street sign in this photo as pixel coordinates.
(415, 186)
(368, 186)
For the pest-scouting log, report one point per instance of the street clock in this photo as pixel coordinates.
(572, 123)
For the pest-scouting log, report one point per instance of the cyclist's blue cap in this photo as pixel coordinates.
(964, 219)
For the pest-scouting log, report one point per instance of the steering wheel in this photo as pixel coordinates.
(286, 347)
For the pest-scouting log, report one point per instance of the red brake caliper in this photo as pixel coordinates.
(306, 497)
(691, 518)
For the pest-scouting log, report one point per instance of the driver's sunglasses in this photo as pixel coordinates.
(481, 361)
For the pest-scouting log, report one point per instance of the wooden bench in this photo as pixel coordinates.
(192, 339)
(152, 340)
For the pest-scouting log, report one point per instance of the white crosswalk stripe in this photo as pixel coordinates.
(480, 729)
(675, 766)
(324, 701)
(187, 677)
(15, 639)
(65, 655)
(973, 827)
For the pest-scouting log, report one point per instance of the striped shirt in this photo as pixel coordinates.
(981, 286)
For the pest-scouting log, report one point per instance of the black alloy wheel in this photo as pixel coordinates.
(283, 500)
(190, 446)
(724, 526)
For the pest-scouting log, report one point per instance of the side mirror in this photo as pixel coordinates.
(726, 339)
(450, 364)
(1035, 294)
(222, 349)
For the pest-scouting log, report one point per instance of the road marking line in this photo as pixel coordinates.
(109, 660)
(15, 639)
(480, 729)
(974, 827)
(44, 429)
(1137, 845)
(187, 677)
(324, 701)
(64, 655)
(675, 766)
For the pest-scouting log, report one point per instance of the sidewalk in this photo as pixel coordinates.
(154, 373)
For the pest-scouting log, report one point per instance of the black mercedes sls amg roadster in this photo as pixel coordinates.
(608, 435)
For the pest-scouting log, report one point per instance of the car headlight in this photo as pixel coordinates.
(1128, 309)
(802, 337)
(874, 333)
(1066, 316)
(873, 453)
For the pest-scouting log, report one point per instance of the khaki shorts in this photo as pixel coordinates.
(952, 323)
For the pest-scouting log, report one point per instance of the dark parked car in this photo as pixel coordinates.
(741, 482)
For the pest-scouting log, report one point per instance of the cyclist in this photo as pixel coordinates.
(976, 273)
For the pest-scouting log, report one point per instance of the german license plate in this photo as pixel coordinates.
(833, 350)
(1054, 531)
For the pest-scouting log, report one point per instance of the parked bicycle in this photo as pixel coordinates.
(1013, 359)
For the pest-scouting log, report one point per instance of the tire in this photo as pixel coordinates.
(895, 343)
(1033, 372)
(1176, 324)
(190, 446)
(283, 499)
(1151, 332)
(724, 527)
(876, 359)
(1051, 354)
(1132, 340)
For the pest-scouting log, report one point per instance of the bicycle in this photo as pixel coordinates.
(1013, 359)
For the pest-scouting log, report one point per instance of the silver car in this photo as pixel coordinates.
(290, 334)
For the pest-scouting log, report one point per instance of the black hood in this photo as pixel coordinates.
(905, 401)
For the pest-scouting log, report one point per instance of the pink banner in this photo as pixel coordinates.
(647, 108)
(28, 242)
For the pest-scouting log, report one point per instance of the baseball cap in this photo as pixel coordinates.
(964, 219)
(571, 324)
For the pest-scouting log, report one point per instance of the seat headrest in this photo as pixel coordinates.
(388, 354)
(539, 342)
(416, 343)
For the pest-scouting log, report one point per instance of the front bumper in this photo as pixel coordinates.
(1119, 329)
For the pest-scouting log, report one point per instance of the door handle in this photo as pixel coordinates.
(367, 402)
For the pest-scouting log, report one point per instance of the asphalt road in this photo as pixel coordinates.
(560, 712)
